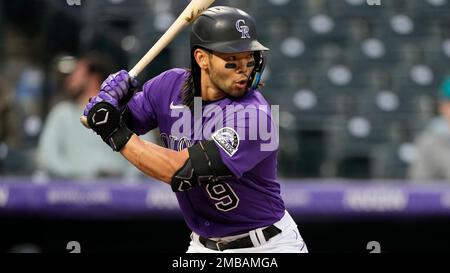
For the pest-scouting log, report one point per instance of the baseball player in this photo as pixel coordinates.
(220, 163)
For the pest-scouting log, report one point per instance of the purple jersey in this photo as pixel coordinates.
(249, 200)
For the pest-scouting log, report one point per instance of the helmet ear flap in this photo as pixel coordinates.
(255, 76)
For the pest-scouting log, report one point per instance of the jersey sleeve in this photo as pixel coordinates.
(143, 107)
(247, 138)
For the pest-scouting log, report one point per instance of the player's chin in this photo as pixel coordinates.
(238, 91)
(237, 94)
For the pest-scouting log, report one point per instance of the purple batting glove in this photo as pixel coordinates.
(119, 85)
(101, 97)
(116, 90)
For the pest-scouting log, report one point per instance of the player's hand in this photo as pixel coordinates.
(116, 90)
(101, 97)
(120, 86)
(104, 111)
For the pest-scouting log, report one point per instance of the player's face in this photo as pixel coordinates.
(229, 72)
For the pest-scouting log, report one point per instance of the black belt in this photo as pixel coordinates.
(243, 242)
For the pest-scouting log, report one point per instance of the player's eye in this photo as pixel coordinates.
(230, 66)
(233, 65)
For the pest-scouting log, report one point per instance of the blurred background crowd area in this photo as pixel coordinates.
(356, 83)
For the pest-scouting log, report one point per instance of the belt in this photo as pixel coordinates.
(244, 242)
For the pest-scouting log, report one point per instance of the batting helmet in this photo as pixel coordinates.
(226, 30)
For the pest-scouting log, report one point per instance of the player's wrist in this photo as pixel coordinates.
(119, 137)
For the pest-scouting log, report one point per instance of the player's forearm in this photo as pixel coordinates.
(153, 160)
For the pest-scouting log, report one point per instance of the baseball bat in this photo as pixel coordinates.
(190, 13)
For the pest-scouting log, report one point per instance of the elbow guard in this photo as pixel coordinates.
(203, 166)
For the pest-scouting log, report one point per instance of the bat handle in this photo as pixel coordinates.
(133, 73)
(83, 120)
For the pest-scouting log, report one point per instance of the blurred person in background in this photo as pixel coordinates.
(66, 149)
(433, 144)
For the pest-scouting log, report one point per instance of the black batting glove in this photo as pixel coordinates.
(109, 124)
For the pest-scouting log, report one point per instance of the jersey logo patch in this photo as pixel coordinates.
(227, 139)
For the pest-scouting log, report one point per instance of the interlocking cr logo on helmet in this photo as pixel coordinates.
(242, 28)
